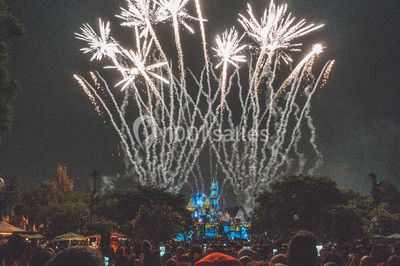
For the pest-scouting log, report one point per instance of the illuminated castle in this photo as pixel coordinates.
(211, 221)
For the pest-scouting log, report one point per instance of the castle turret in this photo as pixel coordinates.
(210, 220)
(214, 196)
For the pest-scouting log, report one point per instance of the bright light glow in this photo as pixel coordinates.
(318, 48)
(276, 30)
(100, 45)
(228, 48)
(139, 66)
(142, 14)
(177, 9)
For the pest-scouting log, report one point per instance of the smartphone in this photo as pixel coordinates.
(204, 248)
(106, 261)
(274, 251)
(224, 244)
(319, 247)
(162, 251)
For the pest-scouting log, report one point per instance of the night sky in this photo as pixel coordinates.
(357, 114)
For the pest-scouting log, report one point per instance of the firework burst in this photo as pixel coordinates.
(277, 29)
(228, 51)
(177, 10)
(102, 45)
(141, 14)
(139, 65)
(275, 32)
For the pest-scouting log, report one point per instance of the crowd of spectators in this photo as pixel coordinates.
(303, 249)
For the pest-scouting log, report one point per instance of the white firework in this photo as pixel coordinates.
(139, 66)
(142, 14)
(277, 29)
(102, 45)
(228, 48)
(176, 9)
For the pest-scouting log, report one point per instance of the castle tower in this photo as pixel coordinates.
(214, 195)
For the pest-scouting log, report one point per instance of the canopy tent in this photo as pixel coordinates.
(394, 236)
(70, 237)
(114, 236)
(8, 229)
(31, 236)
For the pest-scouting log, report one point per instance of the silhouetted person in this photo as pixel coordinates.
(302, 250)
(121, 259)
(333, 259)
(367, 261)
(41, 257)
(393, 261)
(148, 255)
(76, 256)
(396, 249)
(378, 254)
(279, 259)
(105, 245)
(15, 250)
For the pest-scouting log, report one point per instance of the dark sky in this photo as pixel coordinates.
(357, 114)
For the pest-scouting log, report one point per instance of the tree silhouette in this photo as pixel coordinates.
(10, 28)
(62, 182)
(305, 197)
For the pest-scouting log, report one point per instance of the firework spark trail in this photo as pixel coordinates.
(82, 80)
(143, 14)
(240, 184)
(235, 174)
(231, 124)
(177, 187)
(177, 10)
(313, 137)
(275, 31)
(203, 127)
(90, 95)
(306, 106)
(157, 42)
(285, 119)
(125, 102)
(316, 50)
(121, 115)
(228, 51)
(125, 127)
(213, 116)
(298, 135)
(179, 50)
(282, 126)
(204, 41)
